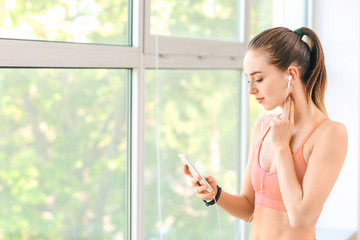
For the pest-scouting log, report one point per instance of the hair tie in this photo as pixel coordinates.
(299, 32)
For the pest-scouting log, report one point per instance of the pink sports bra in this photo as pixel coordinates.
(270, 195)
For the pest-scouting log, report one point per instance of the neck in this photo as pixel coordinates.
(302, 114)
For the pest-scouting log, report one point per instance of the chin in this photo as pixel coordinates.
(269, 108)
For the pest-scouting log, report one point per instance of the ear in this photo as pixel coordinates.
(293, 71)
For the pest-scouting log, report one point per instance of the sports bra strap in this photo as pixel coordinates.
(312, 130)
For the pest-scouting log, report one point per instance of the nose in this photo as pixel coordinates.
(252, 89)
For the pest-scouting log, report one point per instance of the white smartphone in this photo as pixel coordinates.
(194, 171)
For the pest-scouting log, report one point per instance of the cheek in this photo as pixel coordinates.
(271, 90)
(274, 94)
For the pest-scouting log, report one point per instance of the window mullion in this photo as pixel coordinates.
(138, 124)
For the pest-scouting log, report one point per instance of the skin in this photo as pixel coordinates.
(324, 152)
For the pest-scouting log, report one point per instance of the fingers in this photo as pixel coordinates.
(286, 114)
(202, 193)
(275, 120)
(205, 196)
(195, 181)
(201, 189)
(186, 171)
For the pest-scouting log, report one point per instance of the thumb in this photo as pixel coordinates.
(211, 180)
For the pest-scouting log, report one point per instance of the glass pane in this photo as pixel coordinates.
(63, 154)
(83, 21)
(211, 19)
(261, 15)
(197, 113)
(273, 13)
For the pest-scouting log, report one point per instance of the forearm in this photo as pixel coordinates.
(236, 205)
(290, 187)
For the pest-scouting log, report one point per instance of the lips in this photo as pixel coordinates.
(259, 100)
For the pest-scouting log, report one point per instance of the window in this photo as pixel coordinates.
(86, 118)
(63, 153)
(186, 114)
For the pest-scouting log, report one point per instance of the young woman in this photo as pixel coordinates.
(296, 157)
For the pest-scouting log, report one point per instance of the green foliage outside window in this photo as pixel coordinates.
(84, 21)
(62, 154)
(210, 19)
(194, 112)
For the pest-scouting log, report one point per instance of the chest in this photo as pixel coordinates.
(300, 143)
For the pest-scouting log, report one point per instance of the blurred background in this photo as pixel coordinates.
(99, 96)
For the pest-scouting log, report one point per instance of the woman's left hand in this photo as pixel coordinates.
(282, 127)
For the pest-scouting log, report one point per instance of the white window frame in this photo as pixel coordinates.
(174, 53)
(181, 52)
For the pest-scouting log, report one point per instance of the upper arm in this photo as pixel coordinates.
(324, 165)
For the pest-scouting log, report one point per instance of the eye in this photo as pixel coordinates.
(258, 81)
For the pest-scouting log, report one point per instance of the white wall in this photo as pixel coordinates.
(338, 25)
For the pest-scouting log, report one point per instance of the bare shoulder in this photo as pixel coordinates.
(333, 131)
(333, 137)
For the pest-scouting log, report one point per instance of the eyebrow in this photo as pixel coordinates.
(253, 73)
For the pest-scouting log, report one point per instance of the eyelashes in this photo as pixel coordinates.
(258, 81)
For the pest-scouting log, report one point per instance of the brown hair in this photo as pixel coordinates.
(285, 47)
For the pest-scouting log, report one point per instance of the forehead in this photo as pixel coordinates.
(255, 61)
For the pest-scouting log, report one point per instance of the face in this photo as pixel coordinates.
(267, 83)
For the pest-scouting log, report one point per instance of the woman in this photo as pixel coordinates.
(296, 157)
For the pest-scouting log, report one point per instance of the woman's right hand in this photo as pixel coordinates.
(200, 191)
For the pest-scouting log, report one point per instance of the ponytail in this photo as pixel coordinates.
(315, 77)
